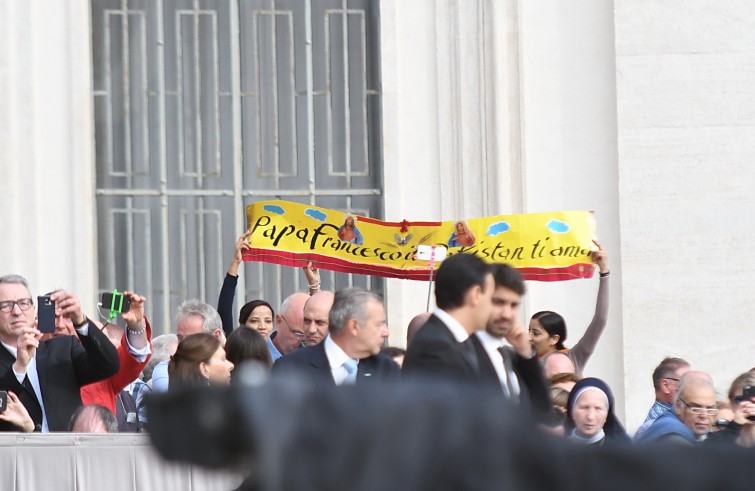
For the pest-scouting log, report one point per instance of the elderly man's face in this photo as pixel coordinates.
(373, 332)
(13, 321)
(291, 333)
(192, 324)
(695, 408)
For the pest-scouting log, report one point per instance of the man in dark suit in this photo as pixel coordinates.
(47, 375)
(351, 352)
(441, 348)
(513, 368)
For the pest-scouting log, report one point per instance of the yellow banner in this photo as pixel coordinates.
(543, 246)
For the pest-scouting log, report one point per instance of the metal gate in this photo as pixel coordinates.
(202, 107)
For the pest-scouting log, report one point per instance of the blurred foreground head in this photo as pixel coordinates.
(416, 435)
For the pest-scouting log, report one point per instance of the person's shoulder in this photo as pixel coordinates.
(384, 362)
(667, 427)
(433, 329)
(298, 357)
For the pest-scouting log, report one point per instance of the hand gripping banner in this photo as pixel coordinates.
(543, 246)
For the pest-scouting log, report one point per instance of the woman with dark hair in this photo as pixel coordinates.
(740, 430)
(590, 416)
(548, 329)
(258, 315)
(199, 360)
(246, 344)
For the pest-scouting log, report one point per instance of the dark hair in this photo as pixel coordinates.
(508, 277)
(249, 307)
(668, 365)
(554, 325)
(613, 428)
(94, 413)
(245, 344)
(183, 369)
(456, 276)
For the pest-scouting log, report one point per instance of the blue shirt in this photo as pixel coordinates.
(274, 353)
(160, 377)
(667, 424)
(655, 412)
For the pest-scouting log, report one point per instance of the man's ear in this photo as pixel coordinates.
(665, 386)
(472, 296)
(352, 327)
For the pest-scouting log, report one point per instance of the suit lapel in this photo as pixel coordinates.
(319, 360)
(41, 360)
(6, 359)
(487, 370)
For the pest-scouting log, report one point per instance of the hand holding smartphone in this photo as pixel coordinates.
(116, 302)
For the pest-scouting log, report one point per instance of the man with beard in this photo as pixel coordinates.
(515, 368)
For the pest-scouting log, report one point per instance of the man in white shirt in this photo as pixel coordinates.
(47, 375)
(441, 348)
(351, 352)
(513, 367)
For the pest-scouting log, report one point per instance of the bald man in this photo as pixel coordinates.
(316, 312)
(557, 362)
(289, 322)
(414, 325)
(695, 409)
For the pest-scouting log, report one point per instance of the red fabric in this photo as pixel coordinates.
(105, 391)
(298, 260)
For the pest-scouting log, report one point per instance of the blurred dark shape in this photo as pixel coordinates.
(417, 435)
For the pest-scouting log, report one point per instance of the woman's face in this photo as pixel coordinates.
(261, 320)
(590, 413)
(459, 228)
(540, 340)
(217, 369)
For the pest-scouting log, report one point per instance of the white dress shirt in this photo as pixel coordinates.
(31, 372)
(453, 325)
(336, 358)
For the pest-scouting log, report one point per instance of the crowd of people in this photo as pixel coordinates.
(94, 377)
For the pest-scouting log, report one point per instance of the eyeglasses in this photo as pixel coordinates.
(741, 398)
(671, 378)
(708, 411)
(297, 334)
(23, 304)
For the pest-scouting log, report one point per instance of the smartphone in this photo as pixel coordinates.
(3, 401)
(45, 314)
(116, 302)
(427, 253)
(749, 393)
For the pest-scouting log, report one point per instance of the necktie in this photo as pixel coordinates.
(31, 402)
(511, 381)
(351, 367)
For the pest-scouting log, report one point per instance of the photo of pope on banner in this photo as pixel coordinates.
(543, 246)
